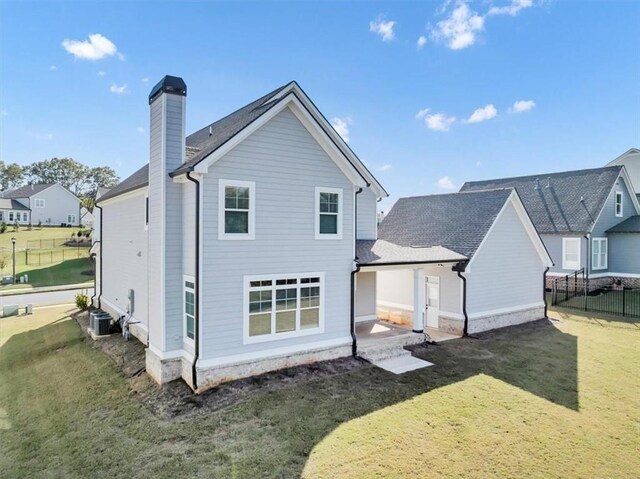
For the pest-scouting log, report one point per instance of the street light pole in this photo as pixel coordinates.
(13, 240)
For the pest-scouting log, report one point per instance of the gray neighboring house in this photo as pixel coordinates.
(630, 159)
(12, 211)
(586, 218)
(51, 204)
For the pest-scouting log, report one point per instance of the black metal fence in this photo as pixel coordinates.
(39, 257)
(577, 292)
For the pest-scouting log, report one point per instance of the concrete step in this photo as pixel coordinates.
(402, 364)
(381, 353)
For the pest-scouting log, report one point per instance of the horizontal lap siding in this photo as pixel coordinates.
(286, 164)
(124, 254)
(506, 271)
(58, 205)
(367, 221)
(553, 243)
(624, 253)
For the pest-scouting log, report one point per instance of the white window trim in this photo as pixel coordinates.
(566, 265)
(222, 183)
(338, 235)
(71, 215)
(11, 216)
(593, 256)
(273, 336)
(618, 194)
(191, 279)
(39, 203)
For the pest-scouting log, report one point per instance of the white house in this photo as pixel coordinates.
(631, 161)
(233, 252)
(86, 218)
(52, 204)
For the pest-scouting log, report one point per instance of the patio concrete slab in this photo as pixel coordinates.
(402, 364)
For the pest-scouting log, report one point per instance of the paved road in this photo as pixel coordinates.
(44, 299)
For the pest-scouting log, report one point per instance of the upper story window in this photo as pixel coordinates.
(618, 206)
(328, 213)
(571, 253)
(236, 212)
(39, 203)
(599, 248)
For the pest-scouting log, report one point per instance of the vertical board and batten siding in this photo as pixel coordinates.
(624, 253)
(58, 204)
(125, 254)
(286, 164)
(506, 271)
(365, 295)
(367, 225)
(165, 222)
(553, 243)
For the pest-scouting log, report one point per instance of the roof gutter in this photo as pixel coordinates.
(410, 263)
(196, 338)
(460, 268)
(354, 341)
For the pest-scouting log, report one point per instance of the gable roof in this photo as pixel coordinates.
(137, 180)
(455, 221)
(621, 158)
(571, 204)
(630, 225)
(381, 252)
(27, 191)
(10, 204)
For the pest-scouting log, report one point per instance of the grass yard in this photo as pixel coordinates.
(542, 400)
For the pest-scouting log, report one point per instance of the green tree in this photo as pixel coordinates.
(71, 174)
(11, 176)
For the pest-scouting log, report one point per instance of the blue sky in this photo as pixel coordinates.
(424, 115)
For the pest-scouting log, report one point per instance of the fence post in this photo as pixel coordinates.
(26, 256)
(623, 301)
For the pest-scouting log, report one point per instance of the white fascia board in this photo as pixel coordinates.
(143, 190)
(621, 158)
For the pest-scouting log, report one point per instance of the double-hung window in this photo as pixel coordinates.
(39, 203)
(328, 213)
(25, 217)
(71, 219)
(571, 253)
(282, 306)
(618, 204)
(236, 213)
(11, 216)
(189, 307)
(600, 247)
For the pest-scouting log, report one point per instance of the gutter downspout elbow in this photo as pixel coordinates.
(354, 341)
(196, 335)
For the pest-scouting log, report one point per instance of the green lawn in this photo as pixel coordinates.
(543, 400)
(23, 235)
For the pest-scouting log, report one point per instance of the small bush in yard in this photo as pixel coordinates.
(40, 224)
(3, 227)
(82, 301)
(16, 226)
(29, 227)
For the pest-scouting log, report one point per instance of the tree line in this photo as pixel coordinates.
(82, 180)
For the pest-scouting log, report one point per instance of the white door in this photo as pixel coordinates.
(433, 300)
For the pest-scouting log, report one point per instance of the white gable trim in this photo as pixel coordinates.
(514, 200)
(125, 196)
(621, 158)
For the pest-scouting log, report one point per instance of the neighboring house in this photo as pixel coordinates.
(631, 161)
(86, 218)
(233, 252)
(12, 211)
(586, 219)
(51, 204)
(467, 262)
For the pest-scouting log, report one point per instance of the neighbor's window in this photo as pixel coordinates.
(71, 219)
(25, 217)
(599, 248)
(571, 253)
(11, 216)
(280, 307)
(189, 307)
(39, 203)
(618, 206)
(237, 209)
(328, 213)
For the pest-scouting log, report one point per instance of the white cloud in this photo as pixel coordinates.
(385, 167)
(521, 106)
(53, 68)
(478, 163)
(436, 121)
(95, 48)
(383, 28)
(422, 113)
(422, 41)
(512, 9)
(4, 112)
(341, 125)
(483, 114)
(446, 184)
(101, 74)
(119, 89)
(460, 28)
(140, 129)
(145, 80)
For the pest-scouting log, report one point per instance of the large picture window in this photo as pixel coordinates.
(599, 247)
(281, 306)
(571, 253)
(236, 209)
(328, 213)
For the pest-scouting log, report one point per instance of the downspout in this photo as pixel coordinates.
(196, 338)
(354, 344)
(99, 241)
(459, 268)
(544, 290)
(588, 270)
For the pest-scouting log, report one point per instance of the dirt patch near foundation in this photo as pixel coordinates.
(177, 400)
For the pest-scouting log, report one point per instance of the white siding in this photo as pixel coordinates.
(632, 163)
(365, 295)
(59, 203)
(506, 272)
(124, 254)
(286, 164)
(367, 222)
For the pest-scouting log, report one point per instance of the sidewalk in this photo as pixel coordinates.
(45, 289)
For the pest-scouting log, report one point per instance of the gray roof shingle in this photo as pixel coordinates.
(27, 191)
(139, 179)
(10, 204)
(630, 225)
(382, 252)
(571, 204)
(457, 222)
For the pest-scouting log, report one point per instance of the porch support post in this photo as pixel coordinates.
(418, 300)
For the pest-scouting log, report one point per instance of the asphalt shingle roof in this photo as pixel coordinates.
(383, 252)
(456, 222)
(630, 225)
(10, 204)
(27, 191)
(571, 203)
(139, 179)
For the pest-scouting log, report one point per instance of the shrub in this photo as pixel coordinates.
(4, 260)
(3, 227)
(82, 301)
(16, 226)
(79, 233)
(40, 224)
(29, 227)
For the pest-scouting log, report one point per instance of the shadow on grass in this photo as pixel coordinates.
(67, 272)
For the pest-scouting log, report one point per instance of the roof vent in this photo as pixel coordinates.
(549, 182)
(210, 130)
(537, 187)
(582, 199)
